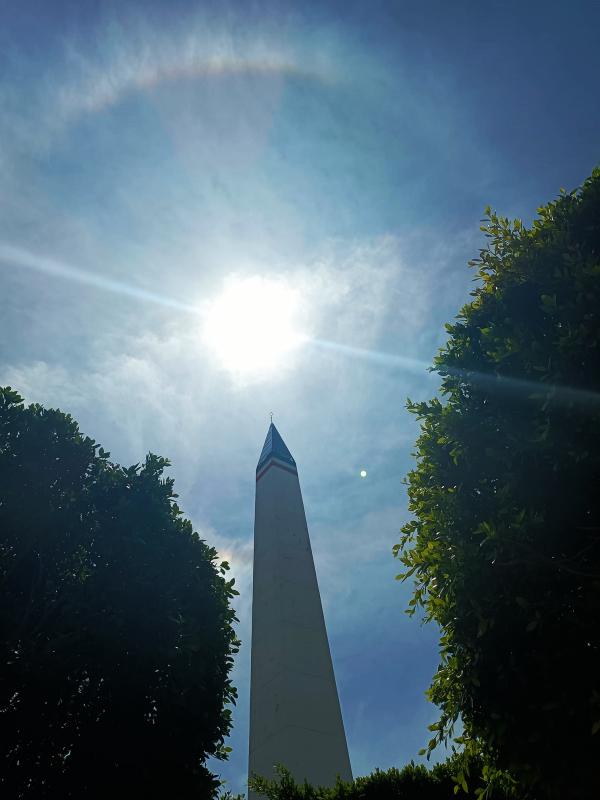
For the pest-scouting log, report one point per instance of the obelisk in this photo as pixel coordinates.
(295, 716)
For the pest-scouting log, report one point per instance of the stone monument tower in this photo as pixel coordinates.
(295, 716)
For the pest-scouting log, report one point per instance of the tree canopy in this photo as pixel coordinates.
(117, 637)
(504, 547)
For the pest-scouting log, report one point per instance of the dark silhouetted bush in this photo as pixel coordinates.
(115, 618)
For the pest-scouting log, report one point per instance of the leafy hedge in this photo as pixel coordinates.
(413, 782)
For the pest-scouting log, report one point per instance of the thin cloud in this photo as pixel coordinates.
(138, 58)
(104, 87)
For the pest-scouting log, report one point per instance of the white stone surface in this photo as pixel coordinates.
(295, 716)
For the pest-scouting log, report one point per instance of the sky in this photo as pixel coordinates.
(329, 163)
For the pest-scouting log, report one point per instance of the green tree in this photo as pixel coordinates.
(115, 618)
(504, 546)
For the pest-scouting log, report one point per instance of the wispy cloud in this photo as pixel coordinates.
(132, 56)
(141, 60)
(153, 385)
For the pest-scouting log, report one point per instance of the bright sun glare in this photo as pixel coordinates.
(251, 327)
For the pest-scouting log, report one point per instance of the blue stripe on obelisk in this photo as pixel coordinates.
(274, 462)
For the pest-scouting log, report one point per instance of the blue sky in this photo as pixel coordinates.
(151, 152)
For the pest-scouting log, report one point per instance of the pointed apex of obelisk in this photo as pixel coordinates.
(274, 447)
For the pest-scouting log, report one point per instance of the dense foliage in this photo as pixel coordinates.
(413, 782)
(504, 546)
(115, 619)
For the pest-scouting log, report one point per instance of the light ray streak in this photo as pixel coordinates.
(11, 256)
(374, 356)
(502, 384)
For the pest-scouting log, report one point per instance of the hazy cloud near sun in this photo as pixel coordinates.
(347, 296)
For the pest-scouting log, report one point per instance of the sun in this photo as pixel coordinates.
(252, 326)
